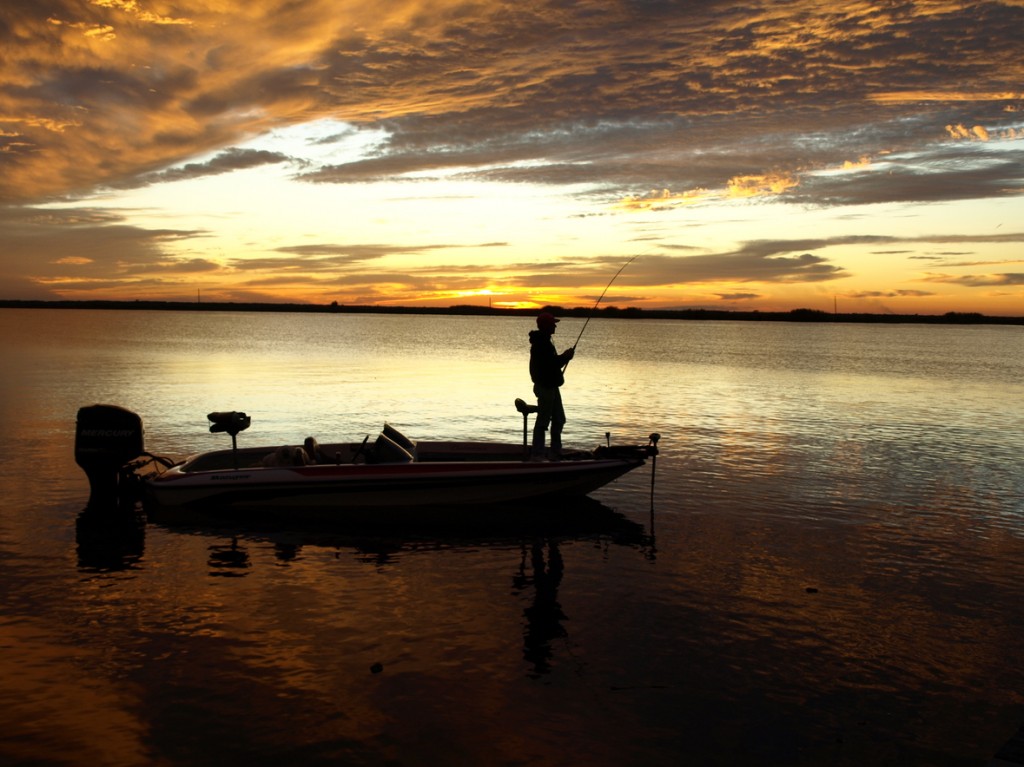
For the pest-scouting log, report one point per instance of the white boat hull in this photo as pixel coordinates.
(367, 486)
(331, 480)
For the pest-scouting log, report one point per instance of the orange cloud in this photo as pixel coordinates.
(99, 31)
(738, 186)
(756, 185)
(960, 132)
(914, 97)
(134, 9)
(663, 199)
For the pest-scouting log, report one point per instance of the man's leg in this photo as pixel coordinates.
(545, 404)
(557, 422)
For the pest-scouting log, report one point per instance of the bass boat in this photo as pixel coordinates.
(333, 479)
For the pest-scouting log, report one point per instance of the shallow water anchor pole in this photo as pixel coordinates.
(525, 409)
(652, 450)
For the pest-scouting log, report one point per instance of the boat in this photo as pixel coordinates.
(333, 480)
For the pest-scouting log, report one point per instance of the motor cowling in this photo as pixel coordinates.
(106, 438)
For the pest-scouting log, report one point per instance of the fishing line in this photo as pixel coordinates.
(594, 309)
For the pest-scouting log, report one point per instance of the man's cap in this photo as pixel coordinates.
(546, 318)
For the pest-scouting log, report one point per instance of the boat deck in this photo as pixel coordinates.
(342, 453)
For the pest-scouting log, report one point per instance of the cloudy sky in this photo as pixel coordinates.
(754, 154)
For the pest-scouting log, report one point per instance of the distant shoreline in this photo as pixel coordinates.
(796, 315)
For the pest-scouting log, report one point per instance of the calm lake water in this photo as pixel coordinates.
(832, 572)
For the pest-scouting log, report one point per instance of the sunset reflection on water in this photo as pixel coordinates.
(831, 573)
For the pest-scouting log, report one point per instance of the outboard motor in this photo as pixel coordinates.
(106, 438)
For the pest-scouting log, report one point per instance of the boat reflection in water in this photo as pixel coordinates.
(116, 541)
(109, 540)
(398, 528)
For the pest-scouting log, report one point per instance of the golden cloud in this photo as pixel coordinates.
(916, 97)
(133, 8)
(100, 31)
(147, 84)
(737, 186)
(960, 132)
(48, 124)
(756, 185)
(662, 199)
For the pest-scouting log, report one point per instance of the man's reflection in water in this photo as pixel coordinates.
(544, 616)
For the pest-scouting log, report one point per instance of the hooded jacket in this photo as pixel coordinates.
(545, 362)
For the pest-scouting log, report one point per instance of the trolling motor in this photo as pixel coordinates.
(107, 438)
(232, 423)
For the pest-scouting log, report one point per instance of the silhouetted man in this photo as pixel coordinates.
(546, 371)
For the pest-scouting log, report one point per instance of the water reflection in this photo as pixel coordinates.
(565, 517)
(286, 551)
(228, 561)
(315, 553)
(838, 576)
(543, 616)
(109, 542)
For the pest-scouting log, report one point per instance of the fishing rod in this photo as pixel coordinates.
(598, 301)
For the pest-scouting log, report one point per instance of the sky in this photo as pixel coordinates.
(750, 154)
